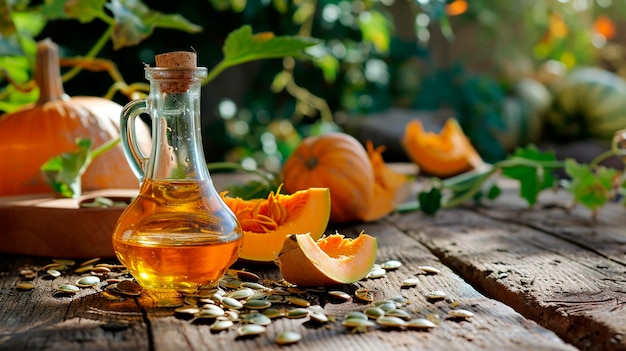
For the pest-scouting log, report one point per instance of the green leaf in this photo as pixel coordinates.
(63, 173)
(242, 46)
(591, 187)
(134, 22)
(527, 165)
(430, 201)
(85, 11)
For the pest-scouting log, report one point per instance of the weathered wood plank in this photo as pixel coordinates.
(561, 270)
(39, 319)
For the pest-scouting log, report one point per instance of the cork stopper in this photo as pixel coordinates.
(177, 81)
(176, 59)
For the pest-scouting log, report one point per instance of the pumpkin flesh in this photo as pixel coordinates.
(267, 222)
(442, 155)
(336, 161)
(332, 260)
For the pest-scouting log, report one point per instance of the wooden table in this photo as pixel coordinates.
(536, 279)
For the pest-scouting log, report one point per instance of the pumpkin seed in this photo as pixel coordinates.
(398, 313)
(436, 295)
(63, 262)
(187, 311)
(257, 304)
(273, 313)
(90, 262)
(211, 311)
(241, 294)
(247, 276)
(364, 295)
(391, 322)
(100, 270)
(357, 315)
(231, 283)
(250, 329)
(297, 313)
(88, 281)
(340, 295)
(460, 313)
(429, 270)
(128, 287)
(410, 282)
(374, 312)
(68, 289)
(288, 337)
(318, 317)
(229, 302)
(376, 273)
(420, 323)
(386, 305)
(259, 318)
(298, 301)
(53, 273)
(112, 296)
(358, 325)
(296, 290)
(391, 265)
(255, 286)
(231, 315)
(222, 324)
(25, 286)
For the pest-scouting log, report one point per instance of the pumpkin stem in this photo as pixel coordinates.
(48, 72)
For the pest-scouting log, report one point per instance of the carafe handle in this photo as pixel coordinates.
(128, 136)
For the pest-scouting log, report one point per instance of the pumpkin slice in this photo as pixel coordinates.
(441, 155)
(267, 222)
(390, 187)
(332, 260)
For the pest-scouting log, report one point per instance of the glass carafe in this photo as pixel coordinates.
(178, 234)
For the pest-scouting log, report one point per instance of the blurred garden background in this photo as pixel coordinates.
(500, 67)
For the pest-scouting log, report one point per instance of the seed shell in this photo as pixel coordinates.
(429, 269)
(221, 324)
(288, 337)
(420, 323)
(391, 265)
(250, 329)
(460, 313)
(25, 286)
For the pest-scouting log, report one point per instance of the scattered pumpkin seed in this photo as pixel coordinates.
(87, 281)
(357, 315)
(255, 286)
(376, 273)
(436, 295)
(420, 323)
(374, 312)
(340, 295)
(247, 276)
(410, 282)
(358, 325)
(429, 269)
(111, 296)
(128, 287)
(221, 324)
(211, 311)
(258, 318)
(391, 265)
(64, 262)
(386, 305)
(298, 301)
(187, 311)
(391, 322)
(288, 337)
(231, 315)
(318, 317)
(100, 270)
(273, 313)
(90, 262)
(53, 273)
(68, 289)
(460, 313)
(364, 295)
(25, 286)
(297, 313)
(398, 313)
(250, 329)
(296, 290)
(84, 269)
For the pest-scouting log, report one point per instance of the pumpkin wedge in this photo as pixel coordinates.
(441, 155)
(331, 260)
(267, 222)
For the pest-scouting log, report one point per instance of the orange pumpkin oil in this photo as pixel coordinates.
(172, 237)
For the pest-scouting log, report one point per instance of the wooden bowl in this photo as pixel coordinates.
(49, 226)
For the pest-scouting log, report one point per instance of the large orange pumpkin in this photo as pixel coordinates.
(50, 127)
(336, 161)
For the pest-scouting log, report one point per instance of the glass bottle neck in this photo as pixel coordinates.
(174, 106)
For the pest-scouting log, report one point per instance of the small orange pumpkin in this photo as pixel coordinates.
(31, 136)
(336, 161)
(441, 155)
